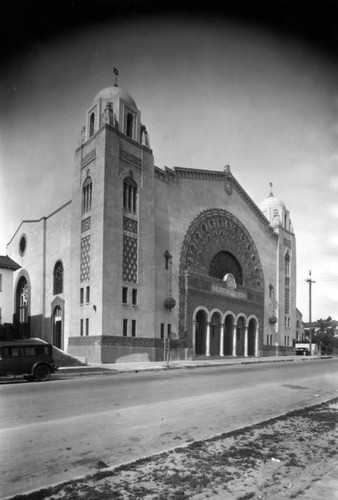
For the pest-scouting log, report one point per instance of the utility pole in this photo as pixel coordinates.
(310, 281)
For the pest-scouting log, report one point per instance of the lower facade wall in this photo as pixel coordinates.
(112, 349)
(271, 350)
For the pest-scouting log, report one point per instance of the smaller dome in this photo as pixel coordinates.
(271, 202)
(113, 93)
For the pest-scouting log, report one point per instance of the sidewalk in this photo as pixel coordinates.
(145, 366)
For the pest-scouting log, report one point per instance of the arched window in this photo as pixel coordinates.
(224, 263)
(130, 123)
(58, 278)
(22, 306)
(130, 195)
(87, 195)
(287, 264)
(91, 124)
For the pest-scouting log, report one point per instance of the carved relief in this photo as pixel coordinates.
(213, 231)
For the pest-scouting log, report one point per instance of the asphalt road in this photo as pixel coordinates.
(63, 429)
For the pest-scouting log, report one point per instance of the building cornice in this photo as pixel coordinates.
(176, 173)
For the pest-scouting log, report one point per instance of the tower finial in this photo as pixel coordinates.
(271, 193)
(116, 73)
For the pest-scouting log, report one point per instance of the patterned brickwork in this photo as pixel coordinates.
(129, 225)
(85, 259)
(88, 158)
(130, 158)
(129, 259)
(85, 225)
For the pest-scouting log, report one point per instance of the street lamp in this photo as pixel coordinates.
(310, 281)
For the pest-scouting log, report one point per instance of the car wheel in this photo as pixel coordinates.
(42, 373)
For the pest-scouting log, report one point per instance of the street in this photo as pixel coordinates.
(62, 429)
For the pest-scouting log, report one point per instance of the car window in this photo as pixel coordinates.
(28, 351)
(10, 352)
(6, 352)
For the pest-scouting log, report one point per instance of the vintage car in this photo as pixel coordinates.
(30, 359)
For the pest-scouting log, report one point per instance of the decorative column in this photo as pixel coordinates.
(221, 347)
(207, 347)
(234, 341)
(256, 341)
(245, 341)
(194, 331)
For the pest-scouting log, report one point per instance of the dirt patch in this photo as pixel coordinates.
(279, 459)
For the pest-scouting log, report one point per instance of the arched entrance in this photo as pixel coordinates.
(200, 332)
(22, 307)
(219, 264)
(240, 330)
(215, 334)
(252, 337)
(228, 335)
(57, 327)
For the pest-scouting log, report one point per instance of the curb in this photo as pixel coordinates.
(82, 371)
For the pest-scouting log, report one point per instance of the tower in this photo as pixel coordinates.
(112, 230)
(283, 292)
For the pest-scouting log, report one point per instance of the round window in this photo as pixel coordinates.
(22, 244)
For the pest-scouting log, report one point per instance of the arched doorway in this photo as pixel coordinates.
(200, 332)
(228, 335)
(252, 337)
(240, 336)
(215, 334)
(57, 327)
(22, 307)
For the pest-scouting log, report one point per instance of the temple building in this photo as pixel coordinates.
(142, 252)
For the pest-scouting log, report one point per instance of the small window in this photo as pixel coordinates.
(22, 245)
(133, 327)
(125, 327)
(162, 330)
(134, 297)
(88, 294)
(87, 195)
(91, 124)
(87, 326)
(130, 195)
(81, 327)
(130, 123)
(169, 330)
(124, 295)
(81, 296)
(58, 278)
(287, 264)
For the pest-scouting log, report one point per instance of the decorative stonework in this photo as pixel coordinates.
(228, 180)
(88, 158)
(130, 158)
(129, 225)
(287, 243)
(129, 259)
(213, 231)
(85, 225)
(216, 230)
(85, 259)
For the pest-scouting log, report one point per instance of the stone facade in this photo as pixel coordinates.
(141, 253)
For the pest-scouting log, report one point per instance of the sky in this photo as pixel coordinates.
(212, 90)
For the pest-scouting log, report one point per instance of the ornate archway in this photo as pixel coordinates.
(217, 243)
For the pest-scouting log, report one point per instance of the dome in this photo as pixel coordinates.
(271, 202)
(113, 93)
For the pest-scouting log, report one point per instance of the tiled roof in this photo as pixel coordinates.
(7, 263)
